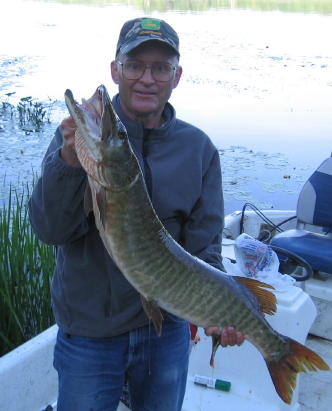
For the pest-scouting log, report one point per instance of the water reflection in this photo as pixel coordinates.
(256, 80)
(258, 177)
(303, 6)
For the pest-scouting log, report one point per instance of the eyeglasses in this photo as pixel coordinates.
(134, 70)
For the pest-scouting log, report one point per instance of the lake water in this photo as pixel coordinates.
(258, 81)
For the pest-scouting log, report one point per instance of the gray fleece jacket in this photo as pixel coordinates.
(181, 166)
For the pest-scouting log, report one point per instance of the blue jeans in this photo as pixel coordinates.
(92, 371)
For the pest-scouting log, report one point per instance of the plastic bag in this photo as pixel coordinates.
(257, 260)
(254, 256)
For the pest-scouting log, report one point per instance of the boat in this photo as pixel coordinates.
(301, 237)
(29, 383)
(28, 380)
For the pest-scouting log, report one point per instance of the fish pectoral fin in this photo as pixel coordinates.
(215, 345)
(266, 299)
(99, 201)
(152, 310)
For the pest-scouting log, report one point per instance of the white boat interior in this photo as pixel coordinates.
(305, 232)
(314, 388)
(319, 286)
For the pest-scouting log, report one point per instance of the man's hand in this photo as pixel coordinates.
(228, 335)
(68, 152)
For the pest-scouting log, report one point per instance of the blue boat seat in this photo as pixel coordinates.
(312, 238)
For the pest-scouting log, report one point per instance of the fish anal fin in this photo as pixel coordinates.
(266, 299)
(215, 345)
(152, 310)
(298, 359)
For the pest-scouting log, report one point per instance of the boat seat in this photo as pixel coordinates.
(312, 238)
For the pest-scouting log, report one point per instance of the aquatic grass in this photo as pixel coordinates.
(26, 266)
(30, 114)
(7, 110)
(301, 6)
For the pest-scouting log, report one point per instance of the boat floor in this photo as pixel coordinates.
(315, 388)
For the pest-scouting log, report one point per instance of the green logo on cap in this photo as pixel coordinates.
(150, 24)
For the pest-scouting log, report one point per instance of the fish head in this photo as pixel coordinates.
(104, 149)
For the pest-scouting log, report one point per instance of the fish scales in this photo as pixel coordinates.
(180, 281)
(180, 276)
(160, 269)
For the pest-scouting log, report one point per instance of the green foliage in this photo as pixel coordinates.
(303, 6)
(26, 267)
(30, 115)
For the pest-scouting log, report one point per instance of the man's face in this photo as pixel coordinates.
(146, 97)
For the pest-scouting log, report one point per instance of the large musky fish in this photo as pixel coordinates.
(163, 273)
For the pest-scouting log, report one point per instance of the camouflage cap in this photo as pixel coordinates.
(137, 31)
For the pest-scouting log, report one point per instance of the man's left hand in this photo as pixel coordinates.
(228, 335)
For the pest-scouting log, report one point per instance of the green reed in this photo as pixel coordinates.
(148, 6)
(30, 114)
(26, 266)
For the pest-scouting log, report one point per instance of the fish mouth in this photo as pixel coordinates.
(89, 112)
(95, 105)
(94, 115)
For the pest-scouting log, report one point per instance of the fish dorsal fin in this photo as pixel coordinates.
(266, 299)
(154, 314)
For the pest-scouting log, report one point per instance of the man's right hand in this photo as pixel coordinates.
(228, 335)
(68, 152)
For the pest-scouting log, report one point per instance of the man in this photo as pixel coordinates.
(104, 335)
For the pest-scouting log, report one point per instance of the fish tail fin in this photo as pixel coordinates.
(284, 372)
